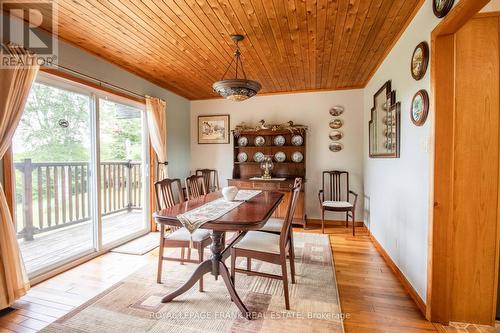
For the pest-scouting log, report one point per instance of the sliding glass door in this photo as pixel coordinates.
(122, 161)
(80, 166)
(53, 166)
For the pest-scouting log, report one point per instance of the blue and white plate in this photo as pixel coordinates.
(259, 141)
(279, 140)
(297, 157)
(280, 156)
(242, 141)
(297, 140)
(242, 157)
(258, 157)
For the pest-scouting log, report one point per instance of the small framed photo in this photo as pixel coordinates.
(442, 7)
(419, 107)
(213, 129)
(419, 61)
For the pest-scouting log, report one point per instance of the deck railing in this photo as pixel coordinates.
(57, 194)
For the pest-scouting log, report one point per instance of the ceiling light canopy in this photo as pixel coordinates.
(236, 89)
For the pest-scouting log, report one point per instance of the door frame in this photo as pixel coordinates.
(73, 83)
(442, 101)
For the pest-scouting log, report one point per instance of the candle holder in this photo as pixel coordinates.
(267, 165)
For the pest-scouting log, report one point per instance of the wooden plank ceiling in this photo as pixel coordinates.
(290, 45)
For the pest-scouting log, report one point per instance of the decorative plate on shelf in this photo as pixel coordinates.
(242, 141)
(297, 157)
(336, 123)
(259, 141)
(297, 140)
(336, 146)
(336, 135)
(337, 110)
(242, 157)
(258, 157)
(280, 156)
(279, 140)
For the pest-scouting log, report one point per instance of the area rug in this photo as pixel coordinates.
(133, 305)
(141, 245)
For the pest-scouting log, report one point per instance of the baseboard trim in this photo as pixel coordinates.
(406, 284)
(334, 222)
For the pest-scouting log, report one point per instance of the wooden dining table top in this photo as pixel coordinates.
(250, 215)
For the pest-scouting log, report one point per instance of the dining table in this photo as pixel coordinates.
(252, 214)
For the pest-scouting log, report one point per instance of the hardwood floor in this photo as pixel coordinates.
(370, 293)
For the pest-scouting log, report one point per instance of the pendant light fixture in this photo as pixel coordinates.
(236, 89)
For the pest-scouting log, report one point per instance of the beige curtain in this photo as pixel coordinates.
(15, 85)
(157, 126)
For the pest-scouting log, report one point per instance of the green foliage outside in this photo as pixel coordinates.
(56, 127)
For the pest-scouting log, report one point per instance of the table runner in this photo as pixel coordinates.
(212, 210)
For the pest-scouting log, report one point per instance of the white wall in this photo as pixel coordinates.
(177, 106)
(309, 109)
(398, 191)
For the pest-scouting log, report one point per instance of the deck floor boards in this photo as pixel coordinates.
(68, 242)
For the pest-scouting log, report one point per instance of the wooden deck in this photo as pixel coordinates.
(62, 244)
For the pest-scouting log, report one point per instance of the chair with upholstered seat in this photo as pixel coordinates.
(210, 178)
(334, 197)
(166, 192)
(269, 247)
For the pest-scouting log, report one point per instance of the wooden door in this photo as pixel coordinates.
(465, 232)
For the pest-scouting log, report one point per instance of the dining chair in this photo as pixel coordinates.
(166, 192)
(274, 225)
(210, 177)
(334, 197)
(195, 187)
(269, 247)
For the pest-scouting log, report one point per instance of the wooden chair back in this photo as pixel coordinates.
(290, 211)
(195, 187)
(210, 178)
(166, 192)
(335, 185)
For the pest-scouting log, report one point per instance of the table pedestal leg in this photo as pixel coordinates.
(217, 267)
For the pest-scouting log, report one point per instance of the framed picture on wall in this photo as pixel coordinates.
(442, 7)
(213, 129)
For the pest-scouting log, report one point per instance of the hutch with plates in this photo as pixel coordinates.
(287, 149)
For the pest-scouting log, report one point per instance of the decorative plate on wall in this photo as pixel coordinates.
(279, 140)
(419, 107)
(242, 157)
(336, 146)
(297, 157)
(242, 141)
(280, 156)
(258, 157)
(419, 61)
(337, 110)
(297, 140)
(259, 141)
(336, 123)
(336, 135)
(442, 7)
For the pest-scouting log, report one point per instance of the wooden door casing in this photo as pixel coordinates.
(464, 240)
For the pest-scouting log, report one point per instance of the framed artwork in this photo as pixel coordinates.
(419, 107)
(419, 61)
(213, 129)
(442, 7)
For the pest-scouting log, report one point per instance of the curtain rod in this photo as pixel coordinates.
(100, 82)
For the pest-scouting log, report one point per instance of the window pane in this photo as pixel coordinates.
(121, 152)
(51, 149)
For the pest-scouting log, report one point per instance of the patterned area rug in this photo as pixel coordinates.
(133, 305)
